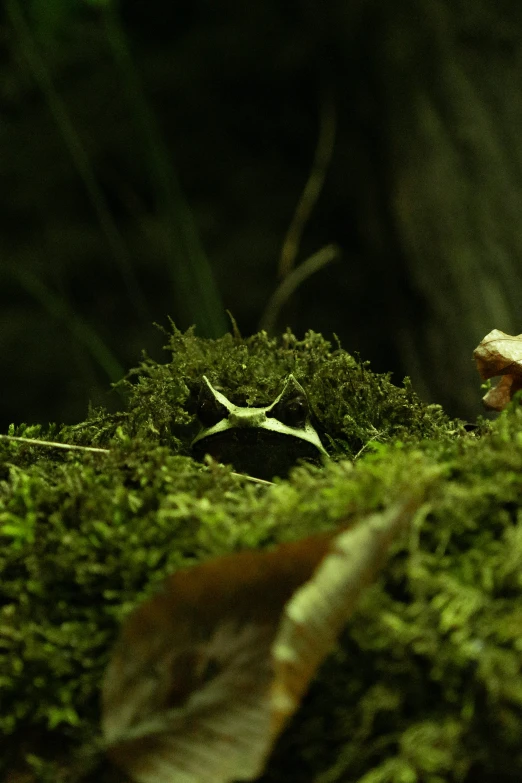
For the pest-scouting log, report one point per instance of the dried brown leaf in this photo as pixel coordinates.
(206, 674)
(500, 354)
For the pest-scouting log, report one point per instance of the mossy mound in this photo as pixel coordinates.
(352, 405)
(426, 683)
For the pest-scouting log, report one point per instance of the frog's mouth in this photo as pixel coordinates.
(258, 452)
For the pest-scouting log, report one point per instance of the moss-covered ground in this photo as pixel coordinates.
(426, 683)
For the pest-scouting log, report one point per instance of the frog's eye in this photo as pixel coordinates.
(210, 410)
(292, 411)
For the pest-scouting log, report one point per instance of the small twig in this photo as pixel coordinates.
(374, 437)
(292, 281)
(313, 187)
(70, 446)
(252, 478)
(54, 444)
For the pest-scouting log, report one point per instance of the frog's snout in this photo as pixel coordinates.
(242, 417)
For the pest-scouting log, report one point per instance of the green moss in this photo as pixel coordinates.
(426, 683)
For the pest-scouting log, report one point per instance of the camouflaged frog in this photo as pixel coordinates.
(261, 442)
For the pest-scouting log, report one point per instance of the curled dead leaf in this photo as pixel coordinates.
(318, 611)
(207, 673)
(500, 354)
(186, 695)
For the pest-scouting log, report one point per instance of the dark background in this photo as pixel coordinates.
(153, 153)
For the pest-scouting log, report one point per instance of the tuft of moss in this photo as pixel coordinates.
(426, 683)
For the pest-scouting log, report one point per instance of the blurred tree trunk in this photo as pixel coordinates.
(448, 88)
